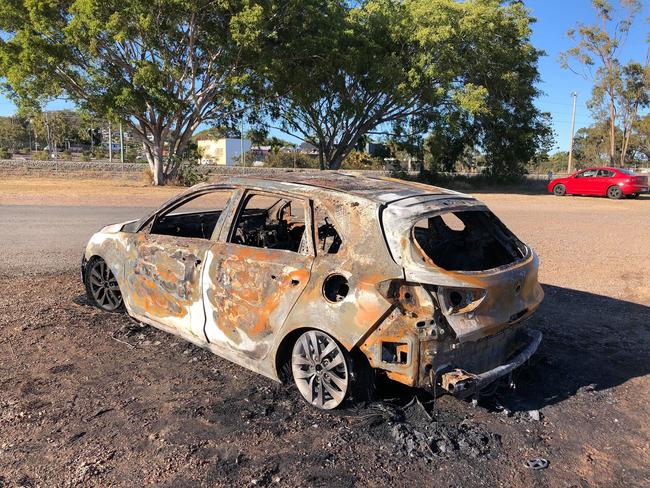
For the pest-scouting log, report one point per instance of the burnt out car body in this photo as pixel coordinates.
(326, 277)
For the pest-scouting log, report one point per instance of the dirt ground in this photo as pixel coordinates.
(89, 398)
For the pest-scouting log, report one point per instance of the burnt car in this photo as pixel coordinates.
(328, 280)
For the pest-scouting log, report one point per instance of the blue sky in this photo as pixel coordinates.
(554, 18)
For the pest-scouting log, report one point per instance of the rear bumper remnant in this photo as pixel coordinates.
(461, 383)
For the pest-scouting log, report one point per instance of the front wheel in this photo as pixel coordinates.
(101, 286)
(325, 373)
(559, 190)
(614, 192)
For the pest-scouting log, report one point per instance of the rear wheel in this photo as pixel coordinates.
(101, 286)
(614, 192)
(559, 190)
(326, 374)
(633, 195)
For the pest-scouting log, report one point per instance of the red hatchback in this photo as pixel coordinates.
(611, 182)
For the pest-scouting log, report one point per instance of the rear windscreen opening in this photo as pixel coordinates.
(467, 240)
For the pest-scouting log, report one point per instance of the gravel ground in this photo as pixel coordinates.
(92, 399)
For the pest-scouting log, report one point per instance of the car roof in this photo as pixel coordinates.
(378, 189)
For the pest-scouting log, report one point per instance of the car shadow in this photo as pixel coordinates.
(591, 343)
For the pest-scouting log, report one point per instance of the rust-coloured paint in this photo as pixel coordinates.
(241, 302)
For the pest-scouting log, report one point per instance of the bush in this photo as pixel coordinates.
(4, 153)
(187, 173)
(41, 155)
(99, 153)
(147, 176)
(86, 156)
(361, 160)
(282, 159)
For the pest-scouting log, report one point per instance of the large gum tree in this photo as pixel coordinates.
(161, 66)
(390, 63)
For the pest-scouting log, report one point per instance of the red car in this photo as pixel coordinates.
(612, 182)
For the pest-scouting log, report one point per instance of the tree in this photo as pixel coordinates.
(640, 140)
(161, 67)
(597, 47)
(591, 145)
(383, 62)
(633, 95)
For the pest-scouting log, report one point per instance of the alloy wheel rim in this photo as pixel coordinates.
(103, 286)
(320, 370)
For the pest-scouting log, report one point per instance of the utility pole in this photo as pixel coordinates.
(110, 144)
(573, 126)
(241, 142)
(121, 146)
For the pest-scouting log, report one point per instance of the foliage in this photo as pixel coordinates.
(361, 160)
(383, 62)
(188, 173)
(284, 159)
(41, 155)
(4, 153)
(618, 92)
(162, 67)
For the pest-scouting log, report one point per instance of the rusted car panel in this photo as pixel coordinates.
(362, 272)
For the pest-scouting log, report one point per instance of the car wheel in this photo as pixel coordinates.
(614, 192)
(326, 374)
(633, 195)
(101, 286)
(559, 190)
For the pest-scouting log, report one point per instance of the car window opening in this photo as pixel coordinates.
(329, 240)
(467, 241)
(271, 223)
(195, 218)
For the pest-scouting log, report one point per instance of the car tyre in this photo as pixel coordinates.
(326, 374)
(101, 286)
(559, 190)
(614, 192)
(633, 195)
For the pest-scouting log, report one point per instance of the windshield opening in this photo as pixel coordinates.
(467, 241)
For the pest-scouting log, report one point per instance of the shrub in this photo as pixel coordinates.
(41, 155)
(147, 176)
(4, 153)
(187, 173)
(361, 160)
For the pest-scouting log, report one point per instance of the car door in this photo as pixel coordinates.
(167, 257)
(581, 183)
(602, 181)
(255, 274)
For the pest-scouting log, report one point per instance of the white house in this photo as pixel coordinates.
(223, 152)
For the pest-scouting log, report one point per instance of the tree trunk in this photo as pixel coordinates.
(154, 155)
(321, 157)
(612, 134)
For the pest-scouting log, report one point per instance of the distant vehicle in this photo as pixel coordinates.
(611, 182)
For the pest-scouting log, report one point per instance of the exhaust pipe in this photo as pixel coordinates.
(458, 382)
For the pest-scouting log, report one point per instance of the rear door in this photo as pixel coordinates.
(602, 181)
(256, 273)
(167, 257)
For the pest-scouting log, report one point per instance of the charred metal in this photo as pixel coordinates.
(426, 284)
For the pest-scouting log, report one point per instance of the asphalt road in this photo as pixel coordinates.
(36, 239)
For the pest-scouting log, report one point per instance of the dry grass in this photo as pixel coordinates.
(66, 191)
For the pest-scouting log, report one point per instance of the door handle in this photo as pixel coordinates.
(197, 262)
